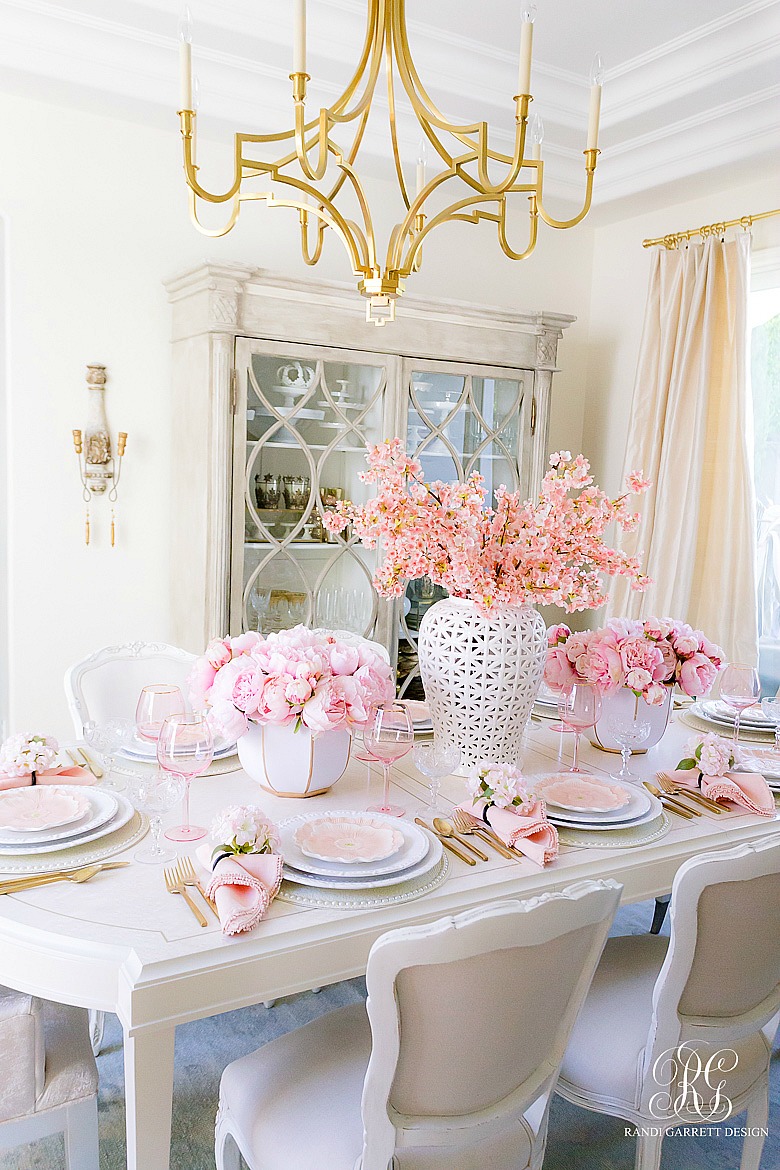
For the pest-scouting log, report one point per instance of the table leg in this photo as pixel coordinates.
(149, 1099)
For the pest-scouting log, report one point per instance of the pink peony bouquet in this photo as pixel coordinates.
(296, 676)
(550, 550)
(645, 656)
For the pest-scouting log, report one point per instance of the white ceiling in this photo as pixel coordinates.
(692, 85)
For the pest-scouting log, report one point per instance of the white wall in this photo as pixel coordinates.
(96, 220)
(620, 273)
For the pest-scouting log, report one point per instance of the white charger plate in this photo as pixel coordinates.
(124, 813)
(431, 859)
(574, 822)
(102, 806)
(144, 749)
(723, 713)
(639, 803)
(414, 848)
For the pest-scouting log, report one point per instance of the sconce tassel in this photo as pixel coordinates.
(113, 527)
(86, 527)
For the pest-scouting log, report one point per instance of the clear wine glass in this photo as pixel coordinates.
(155, 703)
(436, 760)
(629, 731)
(579, 707)
(740, 688)
(388, 736)
(771, 708)
(185, 747)
(106, 737)
(155, 793)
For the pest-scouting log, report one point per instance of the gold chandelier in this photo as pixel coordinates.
(310, 169)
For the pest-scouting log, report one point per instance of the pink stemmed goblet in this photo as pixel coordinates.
(387, 736)
(155, 703)
(579, 707)
(185, 747)
(740, 687)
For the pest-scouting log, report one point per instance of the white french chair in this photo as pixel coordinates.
(106, 685)
(662, 1028)
(48, 1077)
(455, 1058)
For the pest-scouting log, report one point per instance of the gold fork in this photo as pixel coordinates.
(175, 885)
(19, 885)
(672, 789)
(186, 871)
(669, 802)
(465, 824)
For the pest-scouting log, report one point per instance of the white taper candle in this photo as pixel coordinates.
(526, 45)
(299, 39)
(185, 60)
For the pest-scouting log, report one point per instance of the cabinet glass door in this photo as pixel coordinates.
(461, 420)
(304, 417)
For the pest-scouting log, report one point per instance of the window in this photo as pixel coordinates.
(765, 382)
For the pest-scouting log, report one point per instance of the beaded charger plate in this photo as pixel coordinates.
(628, 838)
(316, 898)
(746, 734)
(129, 834)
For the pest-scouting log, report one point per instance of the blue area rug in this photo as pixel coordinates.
(578, 1140)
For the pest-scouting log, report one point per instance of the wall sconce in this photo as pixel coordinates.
(99, 470)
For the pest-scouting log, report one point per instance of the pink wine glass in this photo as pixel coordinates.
(155, 703)
(185, 747)
(387, 736)
(740, 687)
(579, 707)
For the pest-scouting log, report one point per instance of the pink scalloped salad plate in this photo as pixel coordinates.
(348, 839)
(582, 793)
(34, 808)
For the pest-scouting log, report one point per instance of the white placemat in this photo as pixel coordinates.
(746, 734)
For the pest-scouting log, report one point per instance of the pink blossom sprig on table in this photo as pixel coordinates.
(299, 676)
(499, 784)
(242, 829)
(25, 754)
(713, 755)
(645, 656)
(550, 550)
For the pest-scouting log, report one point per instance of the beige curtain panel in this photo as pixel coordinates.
(691, 433)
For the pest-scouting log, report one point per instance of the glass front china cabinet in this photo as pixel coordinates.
(279, 385)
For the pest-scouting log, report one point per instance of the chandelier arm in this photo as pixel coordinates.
(409, 226)
(590, 168)
(313, 173)
(374, 34)
(399, 170)
(213, 233)
(533, 214)
(309, 257)
(454, 211)
(187, 120)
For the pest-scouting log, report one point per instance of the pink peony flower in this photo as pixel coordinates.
(218, 652)
(639, 653)
(326, 710)
(297, 691)
(272, 704)
(227, 721)
(558, 671)
(665, 670)
(344, 659)
(200, 681)
(603, 666)
(711, 650)
(685, 641)
(577, 649)
(558, 634)
(637, 678)
(247, 687)
(655, 694)
(697, 674)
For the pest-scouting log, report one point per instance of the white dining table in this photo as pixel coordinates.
(121, 943)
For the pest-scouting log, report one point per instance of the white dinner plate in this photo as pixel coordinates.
(144, 749)
(102, 806)
(765, 761)
(414, 848)
(640, 802)
(582, 822)
(753, 717)
(420, 714)
(430, 859)
(124, 813)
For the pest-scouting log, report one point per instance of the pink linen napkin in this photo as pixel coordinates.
(242, 887)
(55, 776)
(529, 831)
(745, 788)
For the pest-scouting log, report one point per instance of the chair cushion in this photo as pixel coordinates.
(71, 1071)
(603, 1061)
(295, 1104)
(21, 1053)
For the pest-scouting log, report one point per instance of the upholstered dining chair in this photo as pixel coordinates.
(452, 1065)
(106, 685)
(48, 1077)
(682, 1036)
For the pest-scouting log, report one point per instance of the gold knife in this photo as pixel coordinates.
(496, 843)
(700, 798)
(19, 885)
(94, 768)
(670, 803)
(447, 844)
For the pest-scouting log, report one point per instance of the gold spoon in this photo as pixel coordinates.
(445, 829)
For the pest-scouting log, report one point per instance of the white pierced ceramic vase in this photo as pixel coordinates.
(624, 702)
(481, 676)
(293, 763)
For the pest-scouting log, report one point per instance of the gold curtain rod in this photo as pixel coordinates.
(710, 229)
